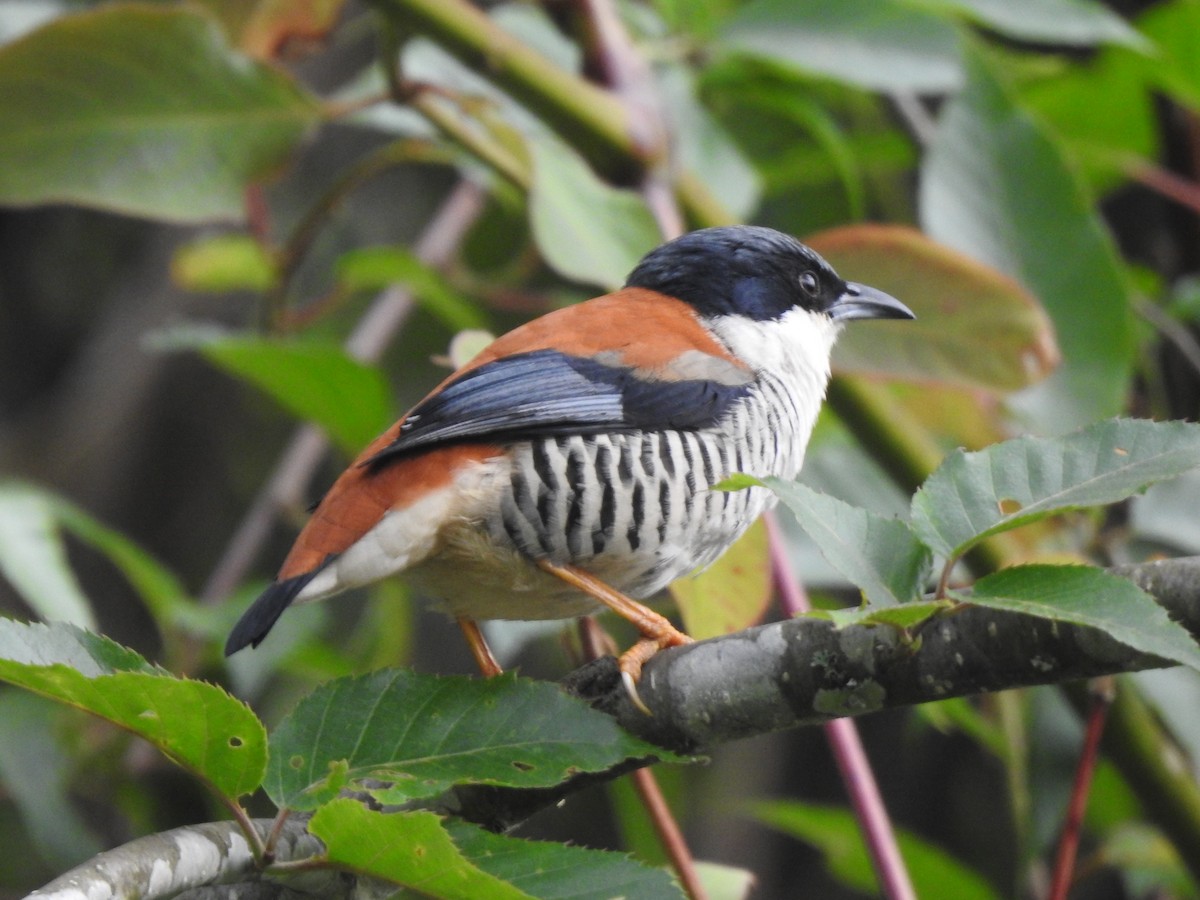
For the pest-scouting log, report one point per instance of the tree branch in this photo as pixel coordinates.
(800, 672)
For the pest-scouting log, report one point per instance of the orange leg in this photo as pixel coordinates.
(657, 632)
(479, 647)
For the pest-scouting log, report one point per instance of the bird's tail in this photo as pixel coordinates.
(263, 613)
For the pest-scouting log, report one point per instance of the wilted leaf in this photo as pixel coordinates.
(197, 724)
(732, 593)
(876, 44)
(996, 186)
(425, 733)
(880, 555)
(974, 326)
(314, 381)
(836, 833)
(142, 110)
(586, 230)
(1084, 595)
(974, 495)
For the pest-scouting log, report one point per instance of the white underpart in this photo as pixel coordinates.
(401, 538)
(794, 348)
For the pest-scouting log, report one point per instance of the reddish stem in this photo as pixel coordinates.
(668, 832)
(848, 751)
(1102, 691)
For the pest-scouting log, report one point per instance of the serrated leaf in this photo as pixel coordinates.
(878, 554)
(560, 872)
(1084, 595)
(198, 725)
(876, 44)
(408, 848)
(586, 230)
(424, 733)
(972, 496)
(836, 833)
(975, 326)
(997, 186)
(33, 559)
(902, 616)
(374, 268)
(314, 381)
(731, 594)
(144, 111)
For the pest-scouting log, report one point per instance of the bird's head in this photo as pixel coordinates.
(758, 274)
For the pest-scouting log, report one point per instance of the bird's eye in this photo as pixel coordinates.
(809, 283)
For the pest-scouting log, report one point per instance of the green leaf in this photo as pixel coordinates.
(164, 594)
(731, 594)
(425, 733)
(408, 848)
(880, 555)
(1176, 65)
(559, 872)
(1084, 595)
(314, 381)
(586, 230)
(374, 268)
(144, 111)
(197, 724)
(36, 769)
(835, 832)
(1071, 22)
(904, 616)
(33, 559)
(972, 496)
(975, 327)
(997, 186)
(875, 44)
(225, 262)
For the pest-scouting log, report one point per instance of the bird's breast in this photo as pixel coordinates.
(637, 509)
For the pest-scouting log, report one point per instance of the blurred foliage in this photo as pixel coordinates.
(202, 200)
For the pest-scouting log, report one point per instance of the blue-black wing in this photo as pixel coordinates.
(546, 393)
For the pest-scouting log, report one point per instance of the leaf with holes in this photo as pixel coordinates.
(197, 724)
(408, 848)
(1083, 595)
(972, 496)
(424, 733)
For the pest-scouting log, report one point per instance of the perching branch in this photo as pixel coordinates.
(788, 674)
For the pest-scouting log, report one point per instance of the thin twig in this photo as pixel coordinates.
(848, 751)
(668, 831)
(307, 446)
(1101, 692)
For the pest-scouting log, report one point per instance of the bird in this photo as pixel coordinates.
(569, 467)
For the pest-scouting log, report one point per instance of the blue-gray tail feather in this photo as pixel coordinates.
(264, 612)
